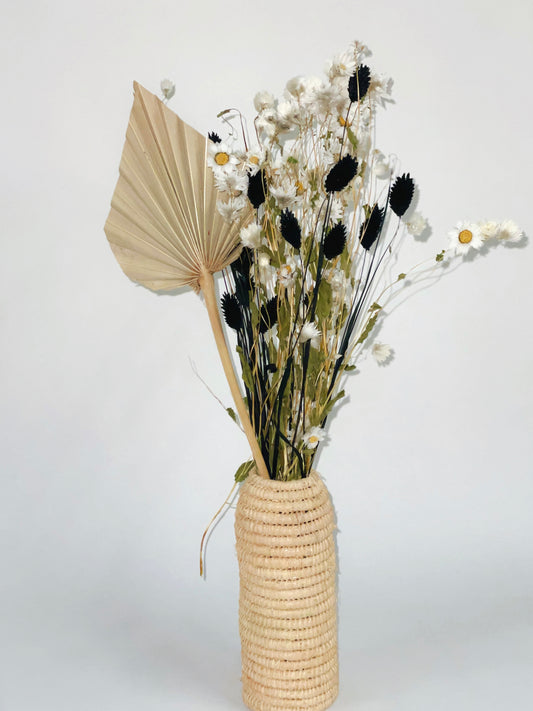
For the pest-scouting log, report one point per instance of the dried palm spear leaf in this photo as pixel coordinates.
(164, 227)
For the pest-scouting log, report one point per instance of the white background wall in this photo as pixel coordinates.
(114, 456)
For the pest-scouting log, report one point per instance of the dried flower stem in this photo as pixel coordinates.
(207, 285)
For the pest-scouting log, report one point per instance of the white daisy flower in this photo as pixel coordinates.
(381, 352)
(509, 231)
(168, 89)
(416, 224)
(313, 436)
(220, 156)
(311, 333)
(465, 236)
(251, 236)
(287, 272)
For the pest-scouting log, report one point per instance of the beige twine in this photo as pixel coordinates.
(288, 604)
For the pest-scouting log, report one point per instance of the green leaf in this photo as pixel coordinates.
(332, 402)
(324, 301)
(351, 137)
(401, 276)
(375, 307)
(349, 367)
(368, 328)
(440, 256)
(231, 413)
(292, 159)
(243, 471)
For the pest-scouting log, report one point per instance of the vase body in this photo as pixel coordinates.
(287, 602)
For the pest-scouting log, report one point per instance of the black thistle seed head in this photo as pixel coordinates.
(340, 175)
(359, 83)
(257, 188)
(214, 137)
(335, 241)
(231, 311)
(268, 316)
(371, 227)
(401, 194)
(290, 229)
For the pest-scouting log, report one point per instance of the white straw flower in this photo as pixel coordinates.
(416, 224)
(382, 352)
(251, 236)
(168, 88)
(509, 231)
(263, 100)
(381, 166)
(311, 333)
(489, 229)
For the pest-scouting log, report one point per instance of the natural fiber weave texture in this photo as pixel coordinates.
(288, 603)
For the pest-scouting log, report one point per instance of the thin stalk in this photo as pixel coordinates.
(207, 284)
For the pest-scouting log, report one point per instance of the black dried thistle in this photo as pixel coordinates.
(335, 241)
(371, 227)
(231, 311)
(359, 83)
(401, 194)
(290, 229)
(340, 175)
(268, 316)
(257, 189)
(214, 137)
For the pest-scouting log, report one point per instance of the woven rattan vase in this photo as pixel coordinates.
(288, 602)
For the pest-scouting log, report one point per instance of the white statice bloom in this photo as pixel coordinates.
(287, 272)
(489, 229)
(311, 333)
(381, 166)
(416, 224)
(382, 352)
(313, 436)
(231, 181)
(263, 100)
(510, 231)
(231, 209)
(464, 237)
(251, 236)
(219, 156)
(168, 89)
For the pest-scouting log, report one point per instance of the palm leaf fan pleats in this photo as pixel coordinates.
(164, 227)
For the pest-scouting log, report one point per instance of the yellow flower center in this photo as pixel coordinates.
(254, 160)
(221, 158)
(313, 439)
(465, 236)
(299, 187)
